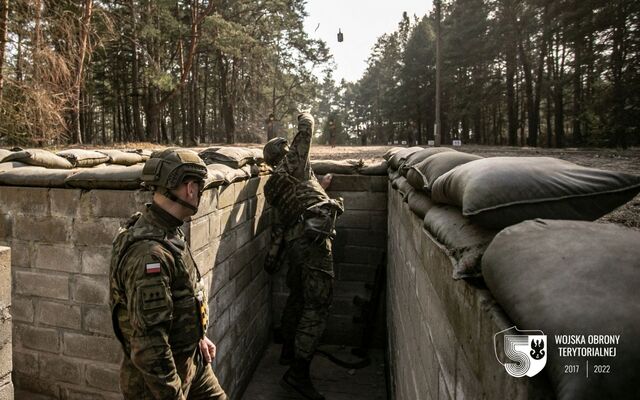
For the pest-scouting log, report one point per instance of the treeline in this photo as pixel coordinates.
(170, 71)
(534, 72)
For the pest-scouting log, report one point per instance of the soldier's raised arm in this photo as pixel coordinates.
(297, 159)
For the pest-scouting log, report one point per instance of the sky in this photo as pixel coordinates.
(361, 23)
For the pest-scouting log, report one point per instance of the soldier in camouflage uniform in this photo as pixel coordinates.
(302, 237)
(158, 299)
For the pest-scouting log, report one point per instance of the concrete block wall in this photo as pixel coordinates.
(6, 386)
(64, 347)
(441, 331)
(358, 249)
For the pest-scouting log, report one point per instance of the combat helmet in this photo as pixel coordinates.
(165, 170)
(275, 150)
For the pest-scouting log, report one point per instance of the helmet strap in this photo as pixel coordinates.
(171, 196)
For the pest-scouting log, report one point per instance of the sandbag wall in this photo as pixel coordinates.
(6, 385)
(60, 240)
(440, 329)
(522, 225)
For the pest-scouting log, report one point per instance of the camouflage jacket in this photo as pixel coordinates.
(158, 302)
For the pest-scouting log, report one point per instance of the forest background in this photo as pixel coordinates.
(521, 73)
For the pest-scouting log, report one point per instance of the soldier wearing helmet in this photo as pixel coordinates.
(158, 299)
(303, 234)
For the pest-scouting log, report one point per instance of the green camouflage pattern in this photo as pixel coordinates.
(156, 311)
(310, 274)
(310, 283)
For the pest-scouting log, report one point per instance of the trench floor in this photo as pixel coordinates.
(333, 381)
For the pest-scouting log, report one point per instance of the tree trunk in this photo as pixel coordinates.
(618, 55)
(4, 16)
(76, 136)
(203, 109)
(135, 76)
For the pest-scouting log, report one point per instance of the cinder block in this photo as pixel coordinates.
(242, 280)
(6, 226)
(90, 289)
(219, 327)
(41, 284)
(28, 387)
(5, 276)
(226, 247)
(97, 320)
(349, 183)
(214, 225)
(226, 196)
(111, 203)
(224, 298)
(355, 272)
(241, 192)
(25, 362)
(65, 202)
(233, 216)
(60, 369)
(95, 232)
(220, 277)
(199, 233)
(106, 349)
(22, 308)
(58, 314)
(57, 258)
(25, 200)
(7, 391)
(244, 233)
(363, 200)
(104, 377)
(20, 254)
(36, 338)
(354, 219)
(379, 183)
(95, 260)
(42, 229)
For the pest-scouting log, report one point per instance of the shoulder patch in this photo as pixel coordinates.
(152, 268)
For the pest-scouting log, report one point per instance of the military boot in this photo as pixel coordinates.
(297, 378)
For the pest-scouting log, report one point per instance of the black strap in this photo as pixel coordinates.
(167, 193)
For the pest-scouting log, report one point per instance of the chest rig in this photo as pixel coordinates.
(189, 317)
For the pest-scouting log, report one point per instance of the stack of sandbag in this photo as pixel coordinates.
(412, 171)
(578, 280)
(465, 199)
(349, 167)
(115, 169)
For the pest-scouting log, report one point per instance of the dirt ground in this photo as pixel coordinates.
(610, 159)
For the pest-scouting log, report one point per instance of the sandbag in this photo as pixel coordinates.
(424, 173)
(374, 168)
(389, 153)
(393, 174)
(403, 187)
(573, 278)
(144, 153)
(258, 155)
(39, 158)
(218, 174)
(35, 177)
(3, 154)
(463, 241)
(420, 155)
(399, 157)
(501, 191)
(343, 167)
(120, 157)
(84, 158)
(5, 166)
(419, 203)
(107, 177)
(234, 157)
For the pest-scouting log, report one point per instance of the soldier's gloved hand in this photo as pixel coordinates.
(305, 121)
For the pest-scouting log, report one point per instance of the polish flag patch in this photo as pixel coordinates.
(153, 268)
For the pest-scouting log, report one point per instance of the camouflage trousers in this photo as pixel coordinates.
(310, 283)
(199, 381)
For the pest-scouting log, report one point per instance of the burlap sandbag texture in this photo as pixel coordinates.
(120, 157)
(342, 167)
(421, 155)
(84, 158)
(39, 158)
(422, 174)
(573, 277)
(501, 191)
(374, 168)
(107, 177)
(234, 157)
(35, 177)
(463, 241)
(400, 156)
(419, 202)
